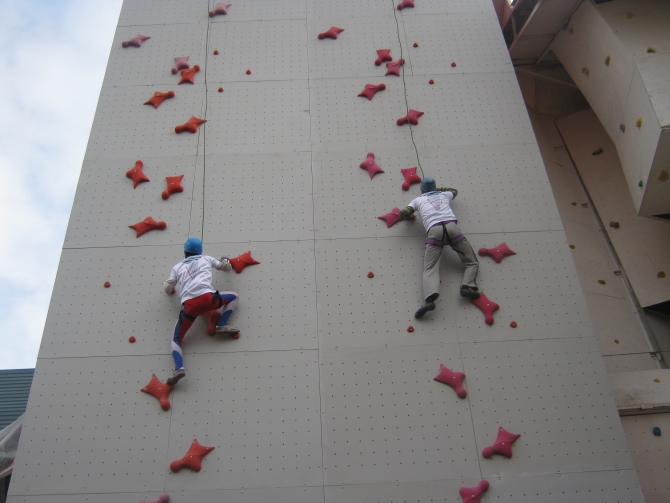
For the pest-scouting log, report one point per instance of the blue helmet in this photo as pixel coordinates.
(193, 245)
(428, 184)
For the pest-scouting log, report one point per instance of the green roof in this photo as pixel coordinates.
(14, 391)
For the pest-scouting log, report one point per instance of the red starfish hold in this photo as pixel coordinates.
(410, 177)
(391, 218)
(160, 390)
(502, 445)
(371, 89)
(473, 494)
(136, 174)
(412, 117)
(393, 67)
(239, 263)
(384, 55)
(187, 76)
(146, 225)
(136, 41)
(453, 379)
(487, 306)
(159, 98)
(371, 166)
(332, 33)
(193, 458)
(497, 253)
(173, 185)
(180, 63)
(405, 3)
(220, 9)
(191, 125)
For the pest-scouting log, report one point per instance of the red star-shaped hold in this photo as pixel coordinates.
(502, 445)
(160, 390)
(371, 89)
(383, 55)
(410, 177)
(391, 218)
(405, 3)
(474, 494)
(497, 253)
(163, 498)
(453, 379)
(180, 63)
(239, 263)
(332, 33)
(173, 185)
(371, 166)
(136, 174)
(393, 67)
(220, 9)
(136, 41)
(412, 117)
(191, 125)
(193, 458)
(159, 98)
(146, 225)
(487, 306)
(187, 76)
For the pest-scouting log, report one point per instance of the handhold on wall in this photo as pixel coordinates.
(638, 122)
(487, 306)
(497, 253)
(607, 60)
(602, 281)
(107, 284)
(391, 218)
(132, 339)
(453, 64)
(410, 329)
(216, 53)
(383, 55)
(412, 117)
(502, 445)
(220, 9)
(453, 379)
(180, 63)
(393, 67)
(415, 44)
(651, 50)
(136, 41)
(405, 3)
(333, 32)
(622, 127)
(159, 98)
(572, 247)
(220, 89)
(146, 225)
(431, 82)
(371, 275)
(160, 390)
(187, 76)
(585, 71)
(173, 185)
(513, 324)
(660, 274)
(597, 151)
(136, 174)
(371, 89)
(656, 431)
(663, 177)
(240, 262)
(614, 225)
(193, 458)
(248, 72)
(410, 177)
(191, 125)
(371, 166)
(640, 183)
(628, 15)
(473, 494)
(163, 498)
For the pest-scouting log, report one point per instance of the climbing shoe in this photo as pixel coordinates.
(469, 292)
(429, 306)
(227, 330)
(178, 374)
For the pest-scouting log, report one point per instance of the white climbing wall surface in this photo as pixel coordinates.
(326, 397)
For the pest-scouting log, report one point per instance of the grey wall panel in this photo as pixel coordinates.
(431, 7)
(442, 491)
(262, 10)
(158, 12)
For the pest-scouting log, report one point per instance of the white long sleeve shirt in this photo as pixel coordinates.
(194, 274)
(434, 207)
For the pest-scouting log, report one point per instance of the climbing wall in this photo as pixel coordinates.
(329, 394)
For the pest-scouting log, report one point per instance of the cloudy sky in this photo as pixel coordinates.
(52, 63)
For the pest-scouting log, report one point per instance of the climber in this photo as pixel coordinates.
(433, 206)
(194, 274)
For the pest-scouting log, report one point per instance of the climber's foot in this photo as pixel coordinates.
(429, 306)
(227, 330)
(178, 374)
(470, 292)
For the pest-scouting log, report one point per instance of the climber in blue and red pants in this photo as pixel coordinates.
(194, 274)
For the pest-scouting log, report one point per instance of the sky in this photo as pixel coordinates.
(52, 62)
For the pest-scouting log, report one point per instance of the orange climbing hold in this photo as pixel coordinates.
(191, 125)
(159, 98)
(193, 458)
(146, 225)
(242, 261)
(136, 174)
(187, 76)
(173, 185)
(158, 389)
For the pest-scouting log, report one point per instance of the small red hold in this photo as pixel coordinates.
(412, 117)
(453, 379)
(180, 63)
(393, 67)
(173, 185)
(136, 41)
(487, 306)
(146, 225)
(415, 45)
(502, 445)
(159, 98)
(132, 340)
(191, 125)
(187, 76)
(410, 329)
(220, 89)
(163, 498)
(220, 9)
(371, 166)
(497, 253)
(371, 275)
(431, 82)
(371, 89)
(405, 3)
(160, 390)
(240, 262)
(391, 218)
(384, 55)
(136, 174)
(453, 64)
(193, 458)
(333, 32)
(410, 177)
(248, 72)
(107, 284)
(513, 324)
(474, 494)
(216, 53)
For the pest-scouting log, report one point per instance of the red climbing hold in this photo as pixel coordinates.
(239, 263)
(163, 498)
(453, 379)
(371, 275)
(191, 125)
(410, 329)
(371, 89)
(187, 76)
(497, 253)
(160, 390)
(371, 166)
(412, 117)
(393, 67)
(132, 339)
(473, 494)
(410, 177)
(136, 41)
(384, 55)
(502, 445)
(107, 284)
(513, 324)
(405, 3)
(216, 53)
(220, 89)
(146, 225)
(180, 63)
(431, 82)
(173, 185)
(332, 33)
(220, 9)
(136, 174)
(487, 306)
(193, 458)
(415, 45)
(453, 64)
(159, 98)
(391, 218)
(248, 72)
